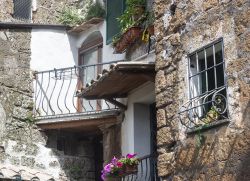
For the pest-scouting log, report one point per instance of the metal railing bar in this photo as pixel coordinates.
(65, 98)
(60, 93)
(205, 70)
(80, 66)
(40, 85)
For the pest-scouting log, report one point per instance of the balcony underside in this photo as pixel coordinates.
(88, 122)
(120, 80)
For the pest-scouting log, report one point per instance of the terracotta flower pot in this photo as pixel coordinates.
(127, 38)
(132, 34)
(130, 169)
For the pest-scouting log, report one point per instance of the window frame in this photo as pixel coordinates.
(207, 92)
(85, 48)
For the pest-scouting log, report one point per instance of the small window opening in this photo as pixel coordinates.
(207, 87)
(22, 9)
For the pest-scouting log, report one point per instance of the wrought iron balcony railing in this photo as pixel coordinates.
(147, 170)
(55, 91)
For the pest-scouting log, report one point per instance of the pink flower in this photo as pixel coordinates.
(119, 164)
(131, 155)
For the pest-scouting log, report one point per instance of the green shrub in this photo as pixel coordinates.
(70, 16)
(96, 10)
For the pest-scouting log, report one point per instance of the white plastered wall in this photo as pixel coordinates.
(144, 95)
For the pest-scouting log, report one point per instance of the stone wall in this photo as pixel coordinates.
(182, 27)
(23, 149)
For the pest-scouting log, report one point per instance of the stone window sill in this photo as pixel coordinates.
(208, 126)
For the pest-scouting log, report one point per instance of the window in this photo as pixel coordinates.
(115, 9)
(90, 55)
(207, 87)
(22, 9)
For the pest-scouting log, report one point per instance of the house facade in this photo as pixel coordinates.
(69, 101)
(49, 129)
(202, 89)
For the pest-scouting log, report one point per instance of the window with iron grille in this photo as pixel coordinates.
(22, 9)
(207, 87)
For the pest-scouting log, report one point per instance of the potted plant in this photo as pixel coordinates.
(130, 164)
(130, 28)
(211, 116)
(120, 167)
(112, 169)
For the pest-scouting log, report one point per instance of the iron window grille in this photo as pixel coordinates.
(22, 9)
(207, 87)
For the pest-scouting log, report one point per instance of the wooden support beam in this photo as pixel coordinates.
(116, 103)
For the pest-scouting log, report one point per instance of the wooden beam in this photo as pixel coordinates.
(78, 124)
(116, 103)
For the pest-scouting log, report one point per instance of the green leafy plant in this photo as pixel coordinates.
(30, 119)
(135, 2)
(212, 115)
(200, 139)
(132, 16)
(150, 18)
(96, 10)
(115, 39)
(130, 159)
(70, 16)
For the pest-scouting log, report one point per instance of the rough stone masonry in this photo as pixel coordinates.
(183, 26)
(23, 148)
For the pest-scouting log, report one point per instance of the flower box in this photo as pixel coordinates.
(119, 168)
(127, 38)
(130, 169)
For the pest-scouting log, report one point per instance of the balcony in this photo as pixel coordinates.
(57, 104)
(62, 96)
(147, 170)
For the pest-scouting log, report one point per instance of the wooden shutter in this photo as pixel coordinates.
(114, 9)
(22, 9)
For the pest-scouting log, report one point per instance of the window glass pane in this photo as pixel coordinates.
(210, 59)
(114, 10)
(220, 75)
(201, 58)
(193, 67)
(211, 79)
(218, 52)
(203, 82)
(90, 58)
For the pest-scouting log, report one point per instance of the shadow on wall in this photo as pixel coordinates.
(75, 155)
(218, 154)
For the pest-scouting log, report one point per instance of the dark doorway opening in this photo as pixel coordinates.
(98, 149)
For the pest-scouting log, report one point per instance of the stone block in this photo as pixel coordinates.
(14, 160)
(27, 161)
(166, 164)
(162, 62)
(164, 98)
(166, 137)
(175, 39)
(208, 4)
(161, 6)
(160, 81)
(161, 118)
